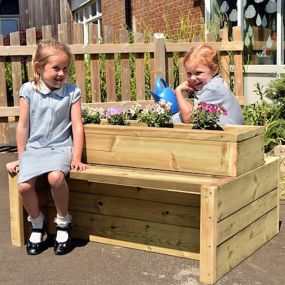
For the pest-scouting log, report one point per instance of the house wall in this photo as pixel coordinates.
(157, 16)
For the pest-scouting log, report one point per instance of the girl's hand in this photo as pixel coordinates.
(78, 165)
(184, 87)
(12, 167)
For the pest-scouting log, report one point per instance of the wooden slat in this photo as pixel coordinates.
(3, 91)
(136, 231)
(231, 225)
(110, 68)
(47, 32)
(31, 40)
(94, 66)
(125, 69)
(134, 192)
(16, 69)
(164, 180)
(225, 59)
(153, 211)
(244, 243)
(159, 55)
(243, 190)
(79, 61)
(16, 213)
(208, 234)
(140, 72)
(238, 70)
(220, 46)
(151, 248)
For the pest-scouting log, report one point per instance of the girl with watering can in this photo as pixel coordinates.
(204, 83)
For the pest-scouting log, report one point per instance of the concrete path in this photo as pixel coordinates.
(94, 263)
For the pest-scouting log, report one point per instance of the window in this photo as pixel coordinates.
(9, 16)
(89, 13)
(262, 23)
(8, 25)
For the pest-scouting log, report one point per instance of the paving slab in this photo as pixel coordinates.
(93, 263)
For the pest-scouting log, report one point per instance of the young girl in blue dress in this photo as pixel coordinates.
(204, 83)
(49, 141)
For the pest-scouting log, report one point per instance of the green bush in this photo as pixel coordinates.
(268, 114)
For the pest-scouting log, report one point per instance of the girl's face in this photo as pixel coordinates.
(54, 73)
(198, 75)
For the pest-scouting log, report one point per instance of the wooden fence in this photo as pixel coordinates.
(123, 67)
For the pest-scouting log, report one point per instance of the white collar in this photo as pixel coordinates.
(45, 90)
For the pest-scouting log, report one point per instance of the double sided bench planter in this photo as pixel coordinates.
(204, 195)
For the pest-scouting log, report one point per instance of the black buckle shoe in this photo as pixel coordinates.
(33, 248)
(61, 248)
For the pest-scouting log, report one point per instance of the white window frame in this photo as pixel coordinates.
(87, 18)
(280, 35)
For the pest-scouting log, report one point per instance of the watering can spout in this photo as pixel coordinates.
(164, 92)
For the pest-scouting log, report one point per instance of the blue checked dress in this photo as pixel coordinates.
(49, 144)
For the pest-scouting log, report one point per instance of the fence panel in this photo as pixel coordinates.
(108, 72)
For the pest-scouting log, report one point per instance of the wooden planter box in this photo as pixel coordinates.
(217, 220)
(232, 152)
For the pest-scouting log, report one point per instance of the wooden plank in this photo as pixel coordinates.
(94, 66)
(175, 155)
(125, 69)
(231, 225)
(238, 192)
(159, 55)
(250, 154)
(63, 34)
(79, 63)
(138, 193)
(185, 131)
(106, 48)
(47, 32)
(157, 249)
(208, 236)
(135, 231)
(3, 87)
(140, 72)
(238, 71)
(16, 69)
(164, 180)
(31, 40)
(225, 59)
(16, 213)
(110, 68)
(220, 46)
(159, 212)
(244, 243)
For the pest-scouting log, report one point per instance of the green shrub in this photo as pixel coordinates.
(267, 114)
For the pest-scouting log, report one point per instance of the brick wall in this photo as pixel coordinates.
(160, 16)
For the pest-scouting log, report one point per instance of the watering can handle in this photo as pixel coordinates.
(160, 82)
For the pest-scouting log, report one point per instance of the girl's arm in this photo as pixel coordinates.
(21, 134)
(23, 126)
(78, 137)
(185, 106)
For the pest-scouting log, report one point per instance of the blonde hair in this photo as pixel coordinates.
(45, 49)
(203, 53)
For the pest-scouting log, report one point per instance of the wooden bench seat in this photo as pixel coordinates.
(214, 219)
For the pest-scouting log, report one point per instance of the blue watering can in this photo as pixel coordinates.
(164, 92)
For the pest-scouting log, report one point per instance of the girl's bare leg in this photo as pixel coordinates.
(29, 197)
(60, 192)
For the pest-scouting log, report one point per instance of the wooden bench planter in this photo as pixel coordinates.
(216, 219)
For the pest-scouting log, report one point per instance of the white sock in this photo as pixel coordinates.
(62, 222)
(37, 223)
